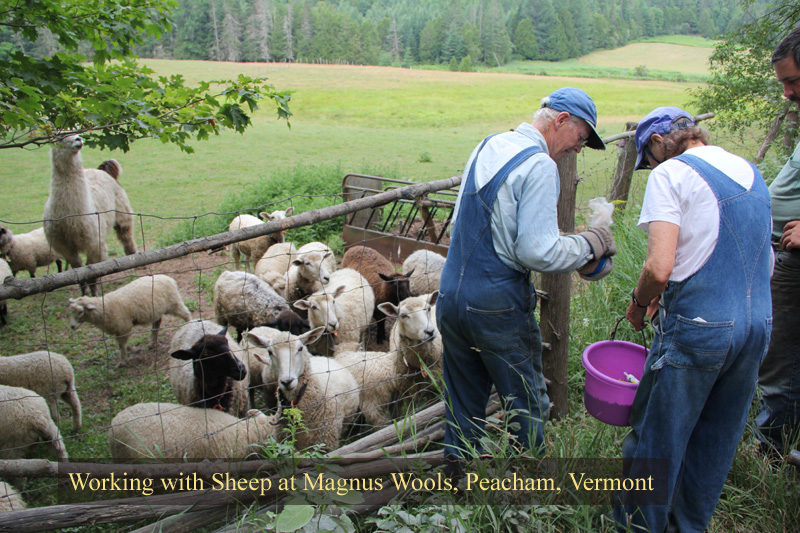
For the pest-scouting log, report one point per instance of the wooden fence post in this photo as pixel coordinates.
(554, 314)
(625, 163)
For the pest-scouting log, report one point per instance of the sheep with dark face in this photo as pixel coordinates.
(211, 373)
(388, 285)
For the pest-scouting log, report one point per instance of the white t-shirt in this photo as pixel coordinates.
(676, 193)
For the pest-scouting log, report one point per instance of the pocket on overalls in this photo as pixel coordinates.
(494, 330)
(769, 336)
(697, 345)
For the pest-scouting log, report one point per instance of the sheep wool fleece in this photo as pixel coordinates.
(489, 332)
(713, 329)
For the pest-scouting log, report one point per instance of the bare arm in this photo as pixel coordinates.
(661, 247)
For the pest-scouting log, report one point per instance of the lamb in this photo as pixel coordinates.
(172, 431)
(83, 205)
(10, 499)
(252, 249)
(213, 371)
(388, 285)
(5, 272)
(49, 374)
(381, 378)
(244, 301)
(273, 267)
(427, 271)
(343, 307)
(27, 251)
(414, 334)
(142, 301)
(25, 418)
(311, 268)
(326, 393)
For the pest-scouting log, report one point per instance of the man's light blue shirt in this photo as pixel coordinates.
(524, 216)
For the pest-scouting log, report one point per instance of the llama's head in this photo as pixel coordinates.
(68, 146)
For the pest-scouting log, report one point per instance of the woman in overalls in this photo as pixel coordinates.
(705, 281)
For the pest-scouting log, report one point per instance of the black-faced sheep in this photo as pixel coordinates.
(10, 499)
(212, 371)
(142, 301)
(244, 301)
(49, 374)
(311, 268)
(425, 268)
(388, 285)
(27, 251)
(84, 204)
(343, 307)
(25, 419)
(252, 249)
(273, 267)
(5, 272)
(172, 431)
(320, 387)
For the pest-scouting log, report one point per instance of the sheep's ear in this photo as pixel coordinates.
(312, 336)
(302, 304)
(257, 340)
(297, 262)
(183, 355)
(289, 211)
(73, 300)
(388, 309)
(408, 274)
(384, 277)
(224, 331)
(264, 360)
(327, 254)
(90, 307)
(433, 297)
(264, 215)
(339, 291)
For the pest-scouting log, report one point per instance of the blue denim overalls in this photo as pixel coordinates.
(692, 403)
(489, 332)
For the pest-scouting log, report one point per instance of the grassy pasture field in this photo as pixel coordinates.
(415, 124)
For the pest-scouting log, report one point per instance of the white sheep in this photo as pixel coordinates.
(25, 418)
(343, 307)
(381, 377)
(273, 267)
(262, 372)
(10, 499)
(211, 369)
(142, 301)
(172, 431)
(84, 204)
(5, 272)
(425, 268)
(326, 393)
(49, 374)
(414, 333)
(311, 268)
(244, 301)
(27, 251)
(252, 249)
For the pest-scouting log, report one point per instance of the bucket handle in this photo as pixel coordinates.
(614, 332)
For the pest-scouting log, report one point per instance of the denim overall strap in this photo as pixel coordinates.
(489, 331)
(692, 402)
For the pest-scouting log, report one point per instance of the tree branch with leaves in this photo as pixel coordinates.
(109, 97)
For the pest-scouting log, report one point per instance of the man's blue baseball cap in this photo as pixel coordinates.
(660, 120)
(576, 102)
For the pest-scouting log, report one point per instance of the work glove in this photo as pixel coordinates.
(596, 268)
(600, 240)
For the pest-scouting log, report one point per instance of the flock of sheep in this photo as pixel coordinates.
(292, 333)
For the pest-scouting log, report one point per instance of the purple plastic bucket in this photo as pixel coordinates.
(608, 396)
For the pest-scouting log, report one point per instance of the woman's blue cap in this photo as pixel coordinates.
(660, 120)
(576, 102)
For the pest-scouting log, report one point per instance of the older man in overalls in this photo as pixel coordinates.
(505, 226)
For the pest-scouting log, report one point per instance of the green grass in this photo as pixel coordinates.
(683, 40)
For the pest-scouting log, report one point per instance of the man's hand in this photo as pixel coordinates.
(600, 240)
(791, 235)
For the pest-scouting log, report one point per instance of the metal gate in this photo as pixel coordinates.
(400, 228)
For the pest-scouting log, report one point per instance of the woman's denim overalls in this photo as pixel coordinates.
(485, 315)
(700, 375)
